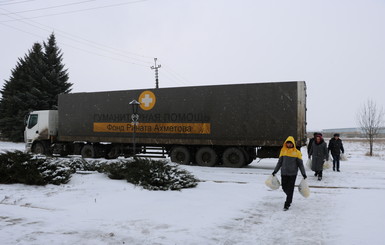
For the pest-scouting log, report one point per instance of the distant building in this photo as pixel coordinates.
(346, 132)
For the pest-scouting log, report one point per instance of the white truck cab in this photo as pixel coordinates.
(41, 128)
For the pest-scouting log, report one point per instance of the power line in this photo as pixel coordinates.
(174, 73)
(115, 50)
(33, 34)
(12, 2)
(87, 42)
(84, 50)
(77, 11)
(51, 7)
(87, 51)
(105, 56)
(171, 78)
(83, 41)
(166, 74)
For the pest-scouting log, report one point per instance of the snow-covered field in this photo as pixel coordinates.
(229, 206)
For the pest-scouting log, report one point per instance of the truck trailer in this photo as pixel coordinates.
(228, 125)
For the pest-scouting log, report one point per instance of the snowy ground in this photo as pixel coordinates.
(229, 206)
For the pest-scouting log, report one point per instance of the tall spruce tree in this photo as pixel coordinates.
(34, 84)
(56, 74)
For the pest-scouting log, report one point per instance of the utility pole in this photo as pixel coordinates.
(156, 67)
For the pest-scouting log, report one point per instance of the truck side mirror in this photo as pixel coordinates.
(26, 119)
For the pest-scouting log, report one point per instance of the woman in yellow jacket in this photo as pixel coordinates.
(290, 160)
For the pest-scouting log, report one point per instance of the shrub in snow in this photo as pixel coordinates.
(115, 169)
(15, 167)
(20, 167)
(55, 171)
(80, 164)
(150, 174)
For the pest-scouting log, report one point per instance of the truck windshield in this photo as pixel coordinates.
(32, 120)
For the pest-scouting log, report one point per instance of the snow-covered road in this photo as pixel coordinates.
(229, 206)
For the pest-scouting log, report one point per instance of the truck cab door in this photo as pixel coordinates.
(32, 128)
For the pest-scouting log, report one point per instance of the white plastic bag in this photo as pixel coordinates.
(303, 188)
(343, 157)
(308, 163)
(327, 165)
(272, 182)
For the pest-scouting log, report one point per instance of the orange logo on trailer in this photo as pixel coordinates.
(147, 100)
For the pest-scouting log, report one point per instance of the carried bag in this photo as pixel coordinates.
(308, 163)
(327, 164)
(272, 182)
(303, 188)
(343, 157)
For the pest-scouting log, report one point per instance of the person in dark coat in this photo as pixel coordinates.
(319, 154)
(290, 160)
(311, 143)
(336, 147)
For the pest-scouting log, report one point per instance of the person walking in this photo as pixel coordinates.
(336, 147)
(290, 160)
(319, 154)
(311, 142)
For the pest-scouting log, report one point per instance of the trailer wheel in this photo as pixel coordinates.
(206, 156)
(88, 151)
(39, 148)
(233, 157)
(181, 155)
(113, 153)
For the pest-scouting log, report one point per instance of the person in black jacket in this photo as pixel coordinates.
(335, 148)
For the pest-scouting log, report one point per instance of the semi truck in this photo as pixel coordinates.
(229, 125)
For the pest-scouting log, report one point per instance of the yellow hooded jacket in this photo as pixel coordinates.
(290, 160)
(290, 152)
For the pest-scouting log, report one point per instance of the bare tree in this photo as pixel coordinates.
(370, 118)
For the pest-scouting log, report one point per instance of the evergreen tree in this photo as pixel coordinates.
(34, 84)
(55, 73)
(19, 96)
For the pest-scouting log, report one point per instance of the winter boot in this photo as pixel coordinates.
(286, 207)
(319, 178)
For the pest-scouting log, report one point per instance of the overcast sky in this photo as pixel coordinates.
(337, 47)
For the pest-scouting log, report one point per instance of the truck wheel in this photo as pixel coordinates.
(233, 157)
(113, 153)
(181, 155)
(88, 151)
(38, 148)
(206, 156)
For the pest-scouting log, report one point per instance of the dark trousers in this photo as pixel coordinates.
(336, 162)
(288, 183)
(318, 173)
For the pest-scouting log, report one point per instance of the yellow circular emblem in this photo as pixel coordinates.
(147, 100)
